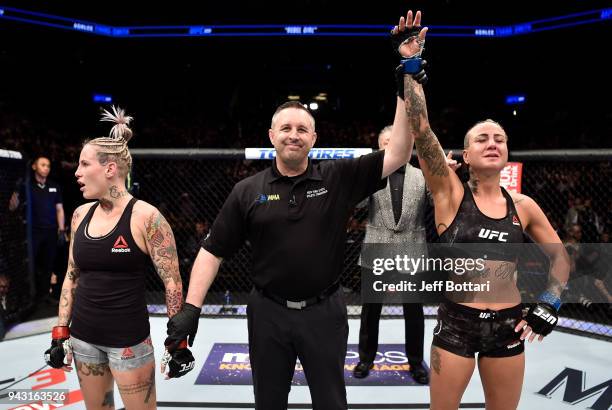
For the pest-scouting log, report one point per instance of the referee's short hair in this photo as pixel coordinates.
(291, 104)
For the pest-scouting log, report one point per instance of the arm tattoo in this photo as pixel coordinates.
(174, 301)
(415, 105)
(65, 298)
(73, 223)
(162, 248)
(436, 360)
(73, 271)
(427, 144)
(63, 319)
(429, 150)
(65, 306)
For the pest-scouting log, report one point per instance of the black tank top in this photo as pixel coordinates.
(472, 226)
(109, 307)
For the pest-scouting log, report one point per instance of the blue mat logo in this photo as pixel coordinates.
(228, 364)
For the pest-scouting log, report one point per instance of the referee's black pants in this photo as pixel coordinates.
(44, 249)
(316, 335)
(414, 327)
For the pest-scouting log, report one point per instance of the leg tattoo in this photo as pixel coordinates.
(92, 369)
(146, 386)
(109, 399)
(436, 360)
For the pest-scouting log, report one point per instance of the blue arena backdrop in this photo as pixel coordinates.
(307, 30)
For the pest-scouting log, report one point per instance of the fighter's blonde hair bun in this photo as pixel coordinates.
(121, 130)
(115, 146)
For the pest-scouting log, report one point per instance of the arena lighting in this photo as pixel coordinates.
(313, 106)
(515, 99)
(101, 98)
(293, 97)
(321, 97)
(310, 30)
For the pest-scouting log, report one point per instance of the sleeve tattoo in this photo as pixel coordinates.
(71, 281)
(163, 253)
(427, 144)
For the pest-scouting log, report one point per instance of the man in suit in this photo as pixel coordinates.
(396, 216)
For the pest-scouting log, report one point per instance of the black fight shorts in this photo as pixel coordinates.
(465, 331)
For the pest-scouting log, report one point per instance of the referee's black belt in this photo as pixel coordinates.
(301, 304)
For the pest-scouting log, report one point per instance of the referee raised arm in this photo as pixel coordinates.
(294, 215)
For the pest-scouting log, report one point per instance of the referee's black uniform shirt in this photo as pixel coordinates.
(296, 225)
(44, 200)
(297, 230)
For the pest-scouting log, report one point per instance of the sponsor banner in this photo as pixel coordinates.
(4, 153)
(315, 153)
(511, 175)
(228, 364)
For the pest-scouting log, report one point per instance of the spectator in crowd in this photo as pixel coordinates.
(354, 231)
(571, 218)
(603, 270)
(590, 222)
(192, 244)
(47, 224)
(590, 264)
(9, 312)
(572, 243)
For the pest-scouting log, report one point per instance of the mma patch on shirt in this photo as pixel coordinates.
(316, 192)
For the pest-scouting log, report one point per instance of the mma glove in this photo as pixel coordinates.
(60, 347)
(401, 37)
(413, 65)
(180, 361)
(542, 318)
(183, 326)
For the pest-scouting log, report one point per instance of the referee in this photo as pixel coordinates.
(294, 215)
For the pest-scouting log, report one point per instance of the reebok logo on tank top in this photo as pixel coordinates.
(120, 246)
